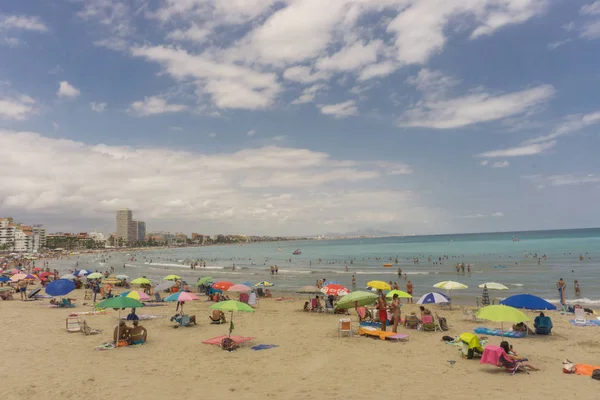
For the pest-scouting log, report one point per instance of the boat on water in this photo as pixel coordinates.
(297, 252)
(388, 265)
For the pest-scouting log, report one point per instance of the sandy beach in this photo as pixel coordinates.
(43, 359)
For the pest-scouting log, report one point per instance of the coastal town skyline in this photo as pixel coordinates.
(256, 116)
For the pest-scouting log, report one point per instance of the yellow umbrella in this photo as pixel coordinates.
(172, 277)
(501, 313)
(400, 293)
(140, 281)
(450, 285)
(379, 285)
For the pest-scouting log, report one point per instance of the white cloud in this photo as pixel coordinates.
(279, 138)
(557, 44)
(591, 30)
(18, 107)
(212, 135)
(154, 105)
(591, 9)
(13, 42)
(500, 164)
(492, 215)
(395, 168)
(351, 57)
(229, 85)
(340, 110)
(433, 84)
(378, 70)
(542, 181)
(251, 132)
(192, 34)
(484, 163)
(473, 108)
(22, 22)
(268, 190)
(113, 43)
(570, 124)
(98, 107)
(309, 94)
(523, 150)
(304, 74)
(498, 214)
(65, 89)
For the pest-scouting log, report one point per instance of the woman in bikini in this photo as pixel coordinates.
(514, 359)
(395, 309)
(382, 308)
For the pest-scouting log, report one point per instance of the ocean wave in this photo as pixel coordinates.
(296, 271)
(583, 300)
(391, 273)
(516, 284)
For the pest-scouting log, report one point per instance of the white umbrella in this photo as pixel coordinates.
(450, 285)
(69, 277)
(433, 298)
(83, 272)
(493, 286)
(164, 286)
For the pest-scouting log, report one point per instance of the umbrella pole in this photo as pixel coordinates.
(230, 322)
(118, 326)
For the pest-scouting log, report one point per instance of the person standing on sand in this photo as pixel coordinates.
(409, 290)
(561, 286)
(395, 309)
(22, 285)
(382, 307)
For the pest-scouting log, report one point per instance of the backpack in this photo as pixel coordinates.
(596, 374)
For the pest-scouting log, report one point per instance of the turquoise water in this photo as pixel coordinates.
(494, 257)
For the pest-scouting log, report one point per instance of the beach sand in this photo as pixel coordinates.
(42, 360)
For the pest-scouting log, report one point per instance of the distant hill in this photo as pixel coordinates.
(363, 232)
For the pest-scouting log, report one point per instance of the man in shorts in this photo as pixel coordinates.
(22, 285)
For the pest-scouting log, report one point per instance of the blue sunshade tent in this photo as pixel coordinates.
(60, 287)
(528, 302)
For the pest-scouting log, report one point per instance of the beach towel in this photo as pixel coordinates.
(585, 369)
(361, 311)
(285, 299)
(145, 317)
(589, 322)
(237, 339)
(491, 355)
(368, 331)
(264, 346)
(398, 337)
(497, 332)
(103, 312)
(106, 346)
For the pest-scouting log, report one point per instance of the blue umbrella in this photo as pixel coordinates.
(433, 298)
(247, 284)
(528, 301)
(60, 287)
(4, 279)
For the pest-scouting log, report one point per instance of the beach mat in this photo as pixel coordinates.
(589, 322)
(103, 312)
(145, 317)
(497, 332)
(383, 335)
(264, 346)
(237, 339)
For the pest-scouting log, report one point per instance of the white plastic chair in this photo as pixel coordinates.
(345, 327)
(580, 316)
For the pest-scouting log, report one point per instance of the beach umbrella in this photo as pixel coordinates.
(264, 284)
(433, 298)
(379, 285)
(239, 288)
(164, 286)
(83, 272)
(60, 287)
(356, 299)
(36, 269)
(136, 295)
(122, 277)
(222, 285)
(400, 293)
(4, 279)
(69, 277)
(182, 297)
(231, 306)
(95, 275)
(335, 290)
(119, 303)
(502, 313)
(140, 281)
(18, 277)
(493, 286)
(247, 284)
(15, 271)
(450, 285)
(485, 296)
(204, 280)
(309, 290)
(528, 301)
(45, 275)
(171, 277)
(111, 280)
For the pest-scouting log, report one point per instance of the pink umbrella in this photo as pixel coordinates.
(239, 288)
(18, 277)
(15, 271)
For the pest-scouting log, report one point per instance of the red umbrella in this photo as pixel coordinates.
(37, 269)
(336, 290)
(45, 275)
(223, 285)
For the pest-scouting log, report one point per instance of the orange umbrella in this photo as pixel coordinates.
(222, 285)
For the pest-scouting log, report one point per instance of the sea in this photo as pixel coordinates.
(525, 262)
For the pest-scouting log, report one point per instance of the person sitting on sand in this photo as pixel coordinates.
(218, 316)
(306, 306)
(229, 344)
(121, 332)
(515, 358)
(268, 293)
(412, 321)
(424, 311)
(138, 334)
(522, 327)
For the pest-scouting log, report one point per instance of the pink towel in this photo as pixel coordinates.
(491, 355)
(236, 339)
(361, 312)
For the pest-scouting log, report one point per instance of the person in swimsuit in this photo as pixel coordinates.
(409, 290)
(514, 358)
(561, 286)
(138, 334)
(382, 307)
(22, 285)
(577, 290)
(395, 309)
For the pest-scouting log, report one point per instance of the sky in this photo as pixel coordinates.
(301, 117)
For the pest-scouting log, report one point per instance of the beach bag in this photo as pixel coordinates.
(122, 343)
(569, 367)
(443, 323)
(596, 374)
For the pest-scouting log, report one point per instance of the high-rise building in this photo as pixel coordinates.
(141, 231)
(125, 225)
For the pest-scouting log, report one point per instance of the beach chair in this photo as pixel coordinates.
(580, 316)
(252, 300)
(344, 327)
(441, 322)
(66, 303)
(314, 308)
(428, 324)
(73, 324)
(260, 292)
(495, 355)
(543, 325)
(244, 297)
(470, 315)
(329, 307)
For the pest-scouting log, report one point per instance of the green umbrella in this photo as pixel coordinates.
(231, 306)
(140, 281)
(358, 298)
(119, 302)
(400, 293)
(501, 313)
(204, 280)
(95, 275)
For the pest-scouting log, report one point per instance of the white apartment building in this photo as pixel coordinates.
(21, 238)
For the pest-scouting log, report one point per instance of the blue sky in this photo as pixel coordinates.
(301, 116)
